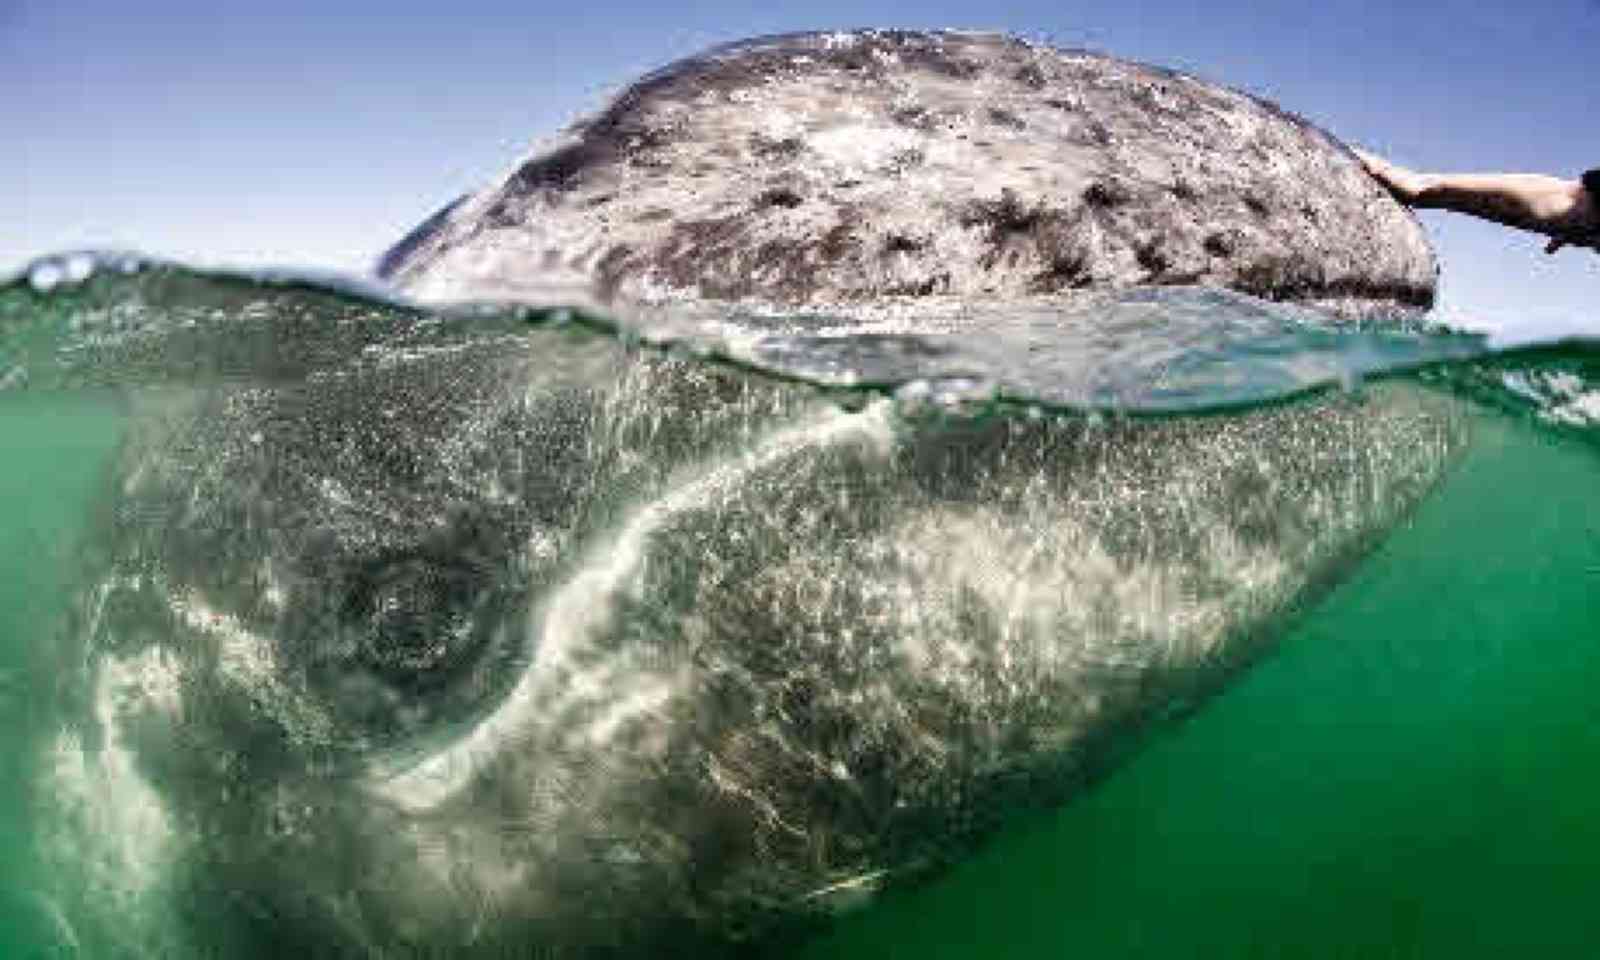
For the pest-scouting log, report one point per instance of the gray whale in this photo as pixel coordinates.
(411, 635)
(404, 635)
(838, 168)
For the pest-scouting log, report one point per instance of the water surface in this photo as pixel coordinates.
(1164, 623)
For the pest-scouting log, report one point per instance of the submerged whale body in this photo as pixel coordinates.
(840, 168)
(407, 633)
(416, 632)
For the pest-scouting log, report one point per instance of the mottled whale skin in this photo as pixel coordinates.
(403, 638)
(836, 168)
(408, 636)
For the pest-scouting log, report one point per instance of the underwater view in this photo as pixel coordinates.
(1166, 622)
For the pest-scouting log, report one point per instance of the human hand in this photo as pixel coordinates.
(1404, 185)
(1581, 226)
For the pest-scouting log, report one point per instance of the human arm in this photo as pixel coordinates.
(1564, 210)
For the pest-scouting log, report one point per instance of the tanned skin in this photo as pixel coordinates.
(1562, 210)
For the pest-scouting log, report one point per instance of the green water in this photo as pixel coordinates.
(253, 534)
(56, 449)
(1416, 773)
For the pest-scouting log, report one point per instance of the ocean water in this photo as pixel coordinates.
(1174, 623)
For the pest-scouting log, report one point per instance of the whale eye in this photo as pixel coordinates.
(410, 639)
(414, 616)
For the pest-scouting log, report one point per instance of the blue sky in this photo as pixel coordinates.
(315, 133)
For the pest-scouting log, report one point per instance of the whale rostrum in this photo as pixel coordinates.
(839, 168)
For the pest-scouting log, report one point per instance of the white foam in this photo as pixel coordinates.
(45, 277)
(248, 661)
(108, 806)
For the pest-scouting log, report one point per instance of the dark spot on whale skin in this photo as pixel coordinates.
(654, 215)
(1220, 244)
(562, 169)
(837, 243)
(767, 148)
(1052, 235)
(1062, 246)
(903, 160)
(1256, 206)
(915, 117)
(695, 248)
(900, 243)
(1066, 106)
(1297, 278)
(1030, 76)
(1152, 258)
(1004, 216)
(615, 133)
(1068, 270)
(612, 269)
(778, 197)
(599, 201)
(644, 161)
(1147, 98)
(934, 58)
(1007, 119)
(1178, 278)
(1281, 277)
(1184, 190)
(1091, 133)
(795, 273)
(715, 257)
(856, 58)
(500, 214)
(925, 287)
(1105, 194)
(642, 138)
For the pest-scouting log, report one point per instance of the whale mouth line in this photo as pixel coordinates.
(581, 606)
(869, 878)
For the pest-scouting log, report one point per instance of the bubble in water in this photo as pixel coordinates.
(46, 276)
(78, 267)
(913, 391)
(957, 396)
